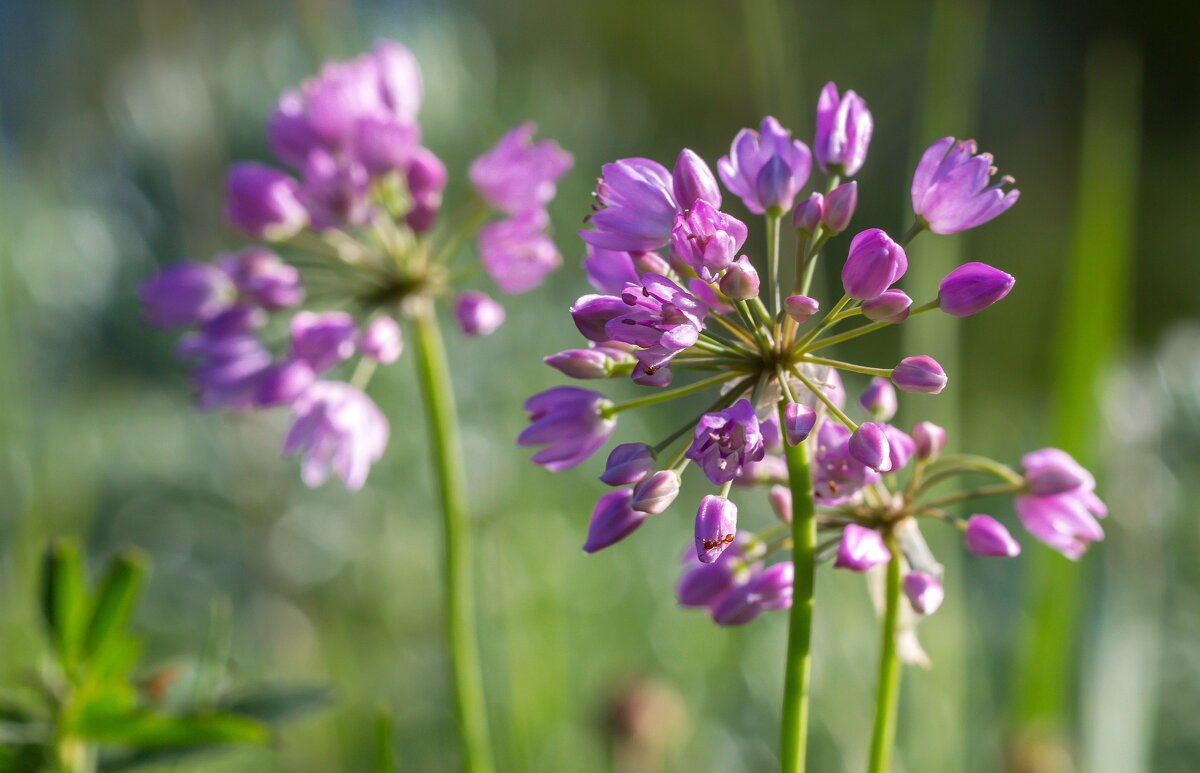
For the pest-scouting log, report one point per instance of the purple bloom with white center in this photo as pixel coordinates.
(716, 527)
(707, 239)
(477, 314)
(519, 174)
(516, 252)
(726, 440)
(635, 207)
(860, 549)
(767, 161)
(382, 340)
(873, 265)
(951, 191)
(569, 423)
(186, 294)
(844, 127)
(613, 519)
(338, 429)
(971, 288)
(263, 202)
(323, 340)
(924, 592)
(985, 536)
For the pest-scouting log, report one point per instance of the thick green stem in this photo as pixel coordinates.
(794, 735)
(438, 396)
(888, 689)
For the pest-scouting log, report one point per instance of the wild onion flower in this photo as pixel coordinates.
(360, 245)
(738, 343)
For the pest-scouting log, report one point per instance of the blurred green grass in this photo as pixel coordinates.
(117, 122)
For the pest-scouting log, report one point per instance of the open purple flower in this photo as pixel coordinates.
(336, 429)
(519, 174)
(726, 440)
(661, 318)
(635, 207)
(707, 239)
(844, 127)
(766, 168)
(950, 190)
(516, 252)
(570, 423)
(185, 294)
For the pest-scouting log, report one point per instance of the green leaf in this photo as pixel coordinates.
(385, 749)
(145, 729)
(114, 603)
(64, 598)
(278, 704)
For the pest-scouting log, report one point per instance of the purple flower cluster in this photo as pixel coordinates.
(364, 195)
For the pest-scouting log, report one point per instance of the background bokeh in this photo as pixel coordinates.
(117, 121)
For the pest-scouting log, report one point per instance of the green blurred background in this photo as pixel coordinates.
(117, 121)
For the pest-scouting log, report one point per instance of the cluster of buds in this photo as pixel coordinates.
(676, 294)
(356, 225)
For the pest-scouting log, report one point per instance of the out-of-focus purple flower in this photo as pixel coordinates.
(263, 279)
(869, 445)
(336, 429)
(930, 440)
(284, 382)
(768, 589)
(890, 306)
(518, 174)
(716, 526)
(289, 134)
(780, 499)
(660, 317)
(971, 288)
(336, 191)
(596, 362)
(692, 180)
(1054, 471)
(800, 307)
(1066, 522)
(426, 179)
(879, 399)
(798, 422)
(707, 239)
(382, 340)
(808, 214)
(230, 360)
(635, 207)
(741, 282)
(613, 519)
(517, 253)
(592, 313)
(382, 145)
(901, 447)
(950, 190)
(844, 127)
(860, 549)
(186, 294)
(263, 202)
(570, 423)
(628, 463)
(772, 436)
(839, 207)
(837, 475)
(873, 265)
(765, 472)
(609, 270)
(985, 536)
(655, 493)
(920, 373)
(725, 440)
(477, 313)
(323, 340)
(748, 171)
(399, 79)
(924, 592)
(700, 584)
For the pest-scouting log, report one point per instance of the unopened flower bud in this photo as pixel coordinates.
(592, 312)
(382, 340)
(1053, 471)
(901, 447)
(597, 362)
(930, 439)
(780, 498)
(693, 179)
(891, 306)
(740, 281)
(263, 202)
(860, 549)
(985, 536)
(800, 307)
(919, 374)
(808, 213)
(873, 265)
(798, 422)
(477, 313)
(627, 464)
(869, 445)
(612, 520)
(971, 288)
(323, 340)
(655, 493)
(924, 592)
(282, 383)
(716, 526)
(879, 399)
(839, 207)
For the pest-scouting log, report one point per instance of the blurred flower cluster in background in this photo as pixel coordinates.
(117, 126)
